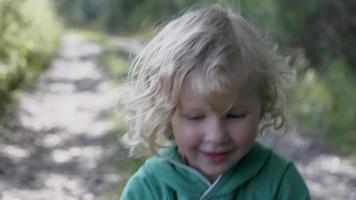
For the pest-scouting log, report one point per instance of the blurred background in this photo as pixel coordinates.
(64, 62)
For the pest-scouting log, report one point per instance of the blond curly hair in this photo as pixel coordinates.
(218, 49)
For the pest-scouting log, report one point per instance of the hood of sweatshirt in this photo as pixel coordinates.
(170, 170)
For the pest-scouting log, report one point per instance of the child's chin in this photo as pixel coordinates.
(215, 171)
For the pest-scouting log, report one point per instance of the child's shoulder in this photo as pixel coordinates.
(273, 157)
(272, 167)
(282, 174)
(158, 163)
(157, 176)
(270, 162)
(147, 182)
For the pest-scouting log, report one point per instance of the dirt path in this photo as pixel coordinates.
(60, 145)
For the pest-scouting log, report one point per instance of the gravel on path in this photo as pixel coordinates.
(60, 144)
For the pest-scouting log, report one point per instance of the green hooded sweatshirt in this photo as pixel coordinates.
(261, 174)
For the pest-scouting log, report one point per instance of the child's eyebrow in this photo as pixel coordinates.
(239, 109)
(241, 105)
(188, 109)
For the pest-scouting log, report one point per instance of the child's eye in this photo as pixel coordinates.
(194, 117)
(236, 115)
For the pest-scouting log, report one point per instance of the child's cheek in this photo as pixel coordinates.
(245, 132)
(188, 135)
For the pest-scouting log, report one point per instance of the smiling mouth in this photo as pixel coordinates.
(216, 157)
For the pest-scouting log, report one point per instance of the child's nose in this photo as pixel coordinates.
(216, 132)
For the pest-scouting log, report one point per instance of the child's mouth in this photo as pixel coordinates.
(216, 157)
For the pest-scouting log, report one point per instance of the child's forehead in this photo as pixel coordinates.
(240, 95)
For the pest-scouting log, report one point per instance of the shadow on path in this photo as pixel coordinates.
(59, 143)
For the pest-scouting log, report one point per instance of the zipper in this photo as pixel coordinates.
(206, 193)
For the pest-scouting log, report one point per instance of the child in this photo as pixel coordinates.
(208, 83)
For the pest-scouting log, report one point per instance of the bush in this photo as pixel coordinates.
(29, 35)
(325, 104)
(342, 85)
(115, 63)
(311, 101)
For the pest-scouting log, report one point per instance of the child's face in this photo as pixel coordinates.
(214, 133)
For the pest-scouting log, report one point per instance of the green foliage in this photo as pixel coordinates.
(123, 15)
(325, 105)
(29, 35)
(342, 85)
(324, 28)
(311, 102)
(115, 63)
